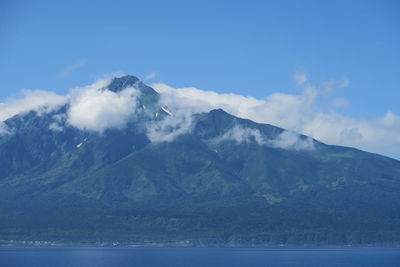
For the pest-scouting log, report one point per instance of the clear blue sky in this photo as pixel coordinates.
(244, 47)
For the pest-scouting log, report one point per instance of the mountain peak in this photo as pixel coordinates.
(219, 111)
(120, 83)
(148, 96)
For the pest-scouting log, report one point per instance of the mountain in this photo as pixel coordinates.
(209, 178)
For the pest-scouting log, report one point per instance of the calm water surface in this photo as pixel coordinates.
(196, 257)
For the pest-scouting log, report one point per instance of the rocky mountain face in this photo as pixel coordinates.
(221, 180)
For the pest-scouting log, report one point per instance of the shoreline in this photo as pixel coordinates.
(116, 245)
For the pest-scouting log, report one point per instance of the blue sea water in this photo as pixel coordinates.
(195, 257)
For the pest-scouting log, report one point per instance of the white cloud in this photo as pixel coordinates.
(284, 110)
(170, 127)
(193, 100)
(285, 140)
(300, 113)
(92, 108)
(95, 108)
(59, 122)
(38, 100)
(292, 140)
(4, 130)
(56, 127)
(241, 135)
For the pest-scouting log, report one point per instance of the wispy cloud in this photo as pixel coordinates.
(241, 135)
(150, 76)
(92, 108)
(299, 113)
(300, 78)
(292, 140)
(38, 100)
(4, 130)
(73, 67)
(285, 140)
(170, 127)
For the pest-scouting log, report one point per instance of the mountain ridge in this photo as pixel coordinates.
(218, 179)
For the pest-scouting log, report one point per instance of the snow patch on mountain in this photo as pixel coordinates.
(167, 111)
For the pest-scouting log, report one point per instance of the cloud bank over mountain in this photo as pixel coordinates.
(94, 108)
(297, 112)
(37, 100)
(285, 140)
(170, 127)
